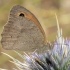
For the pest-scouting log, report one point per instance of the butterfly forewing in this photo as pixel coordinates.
(22, 31)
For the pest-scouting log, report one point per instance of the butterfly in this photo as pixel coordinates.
(23, 32)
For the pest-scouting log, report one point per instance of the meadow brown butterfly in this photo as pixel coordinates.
(23, 32)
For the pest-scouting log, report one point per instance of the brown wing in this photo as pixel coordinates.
(22, 31)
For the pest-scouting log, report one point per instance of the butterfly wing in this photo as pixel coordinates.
(22, 31)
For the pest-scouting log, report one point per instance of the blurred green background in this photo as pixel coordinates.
(45, 11)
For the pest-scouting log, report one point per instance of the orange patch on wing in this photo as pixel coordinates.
(30, 16)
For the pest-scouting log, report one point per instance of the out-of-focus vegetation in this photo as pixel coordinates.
(45, 11)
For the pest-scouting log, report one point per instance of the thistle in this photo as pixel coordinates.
(56, 59)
